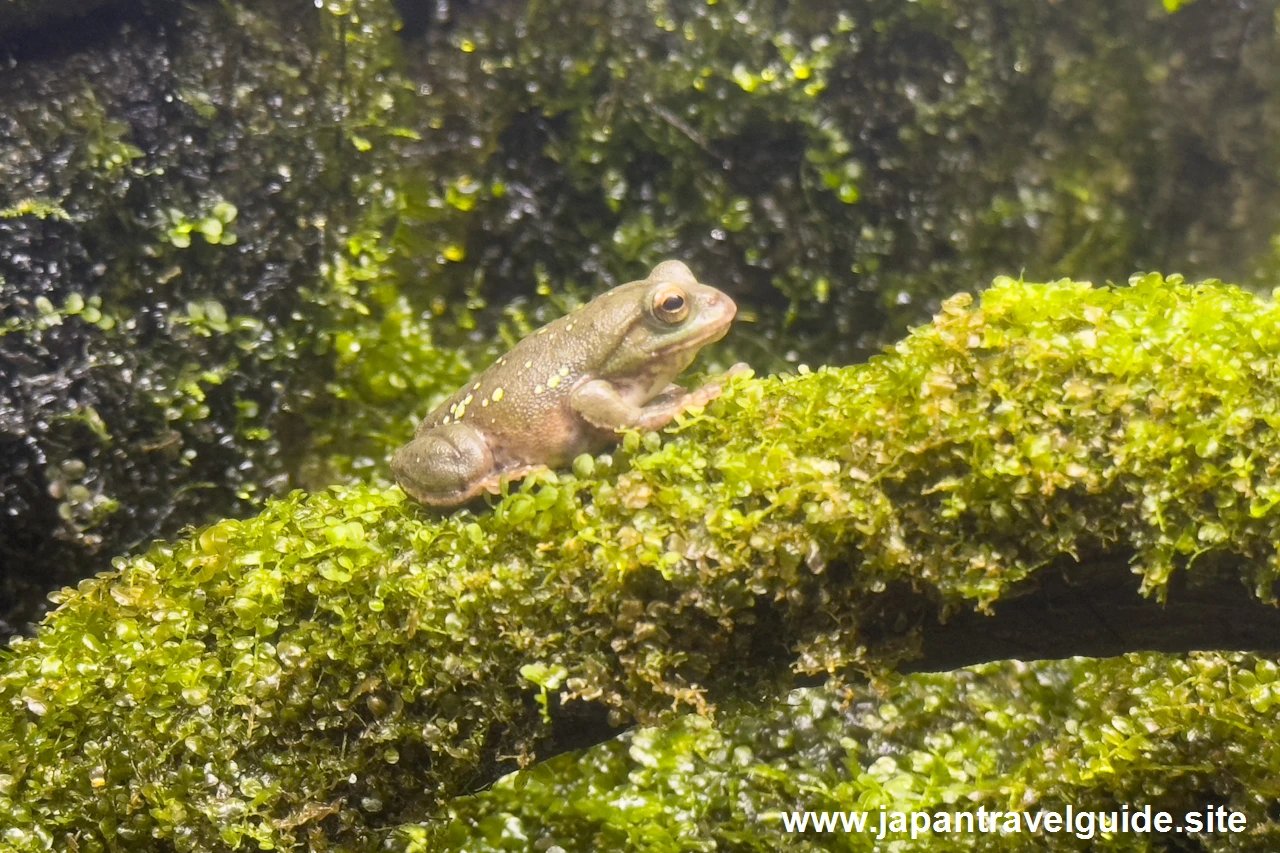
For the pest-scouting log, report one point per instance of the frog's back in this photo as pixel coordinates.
(522, 397)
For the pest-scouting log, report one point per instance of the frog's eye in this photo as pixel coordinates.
(670, 303)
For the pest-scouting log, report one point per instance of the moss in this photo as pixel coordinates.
(1146, 730)
(407, 206)
(343, 662)
(193, 216)
(34, 207)
(846, 164)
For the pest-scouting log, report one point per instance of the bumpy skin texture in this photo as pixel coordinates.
(567, 388)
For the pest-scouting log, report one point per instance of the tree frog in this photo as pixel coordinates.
(569, 387)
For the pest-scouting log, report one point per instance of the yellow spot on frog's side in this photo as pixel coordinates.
(564, 371)
(541, 331)
(484, 403)
(538, 389)
(445, 422)
(553, 381)
(528, 364)
(475, 387)
(497, 394)
(467, 400)
(569, 328)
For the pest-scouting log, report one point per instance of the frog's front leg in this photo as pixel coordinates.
(599, 404)
(445, 465)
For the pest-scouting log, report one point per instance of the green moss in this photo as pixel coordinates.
(344, 661)
(886, 149)
(816, 161)
(1146, 730)
(33, 207)
(196, 235)
(406, 207)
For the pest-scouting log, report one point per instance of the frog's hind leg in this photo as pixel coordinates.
(444, 466)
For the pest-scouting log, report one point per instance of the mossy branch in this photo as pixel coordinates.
(345, 661)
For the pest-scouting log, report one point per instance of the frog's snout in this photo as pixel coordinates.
(725, 304)
(717, 310)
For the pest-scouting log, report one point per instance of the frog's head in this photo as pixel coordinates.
(670, 315)
(683, 313)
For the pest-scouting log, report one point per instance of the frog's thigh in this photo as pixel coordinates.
(444, 465)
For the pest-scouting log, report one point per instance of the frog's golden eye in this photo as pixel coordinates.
(670, 303)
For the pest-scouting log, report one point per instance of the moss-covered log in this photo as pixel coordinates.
(288, 229)
(1145, 731)
(344, 662)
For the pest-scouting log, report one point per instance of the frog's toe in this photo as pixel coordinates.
(493, 485)
(703, 395)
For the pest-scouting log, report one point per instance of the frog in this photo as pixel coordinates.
(573, 386)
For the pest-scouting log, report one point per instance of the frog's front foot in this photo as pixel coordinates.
(701, 396)
(714, 388)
